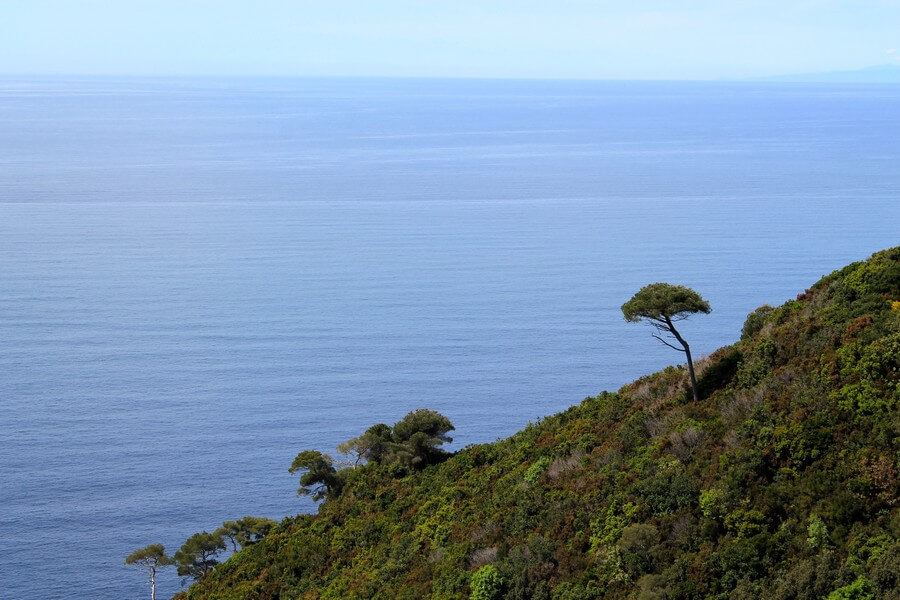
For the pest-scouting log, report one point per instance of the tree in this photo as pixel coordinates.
(196, 558)
(372, 446)
(412, 442)
(245, 532)
(150, 559)
(319, 479)
(662, 305)
(417, 437)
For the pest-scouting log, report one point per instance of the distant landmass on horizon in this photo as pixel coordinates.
(877, 74)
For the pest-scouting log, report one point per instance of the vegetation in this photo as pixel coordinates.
(196, 558)
(486, 584)
(319, 478)
(412, 443)
(245, 532)
(662, 305)
(150, 559)
(781, 484)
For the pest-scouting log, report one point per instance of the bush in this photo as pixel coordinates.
(537, 469)
(861, 589)
(713, 503)
(635, 545)
(863, 368)
(667, 493)
(755, 321)
(758, 364)
(817, 533)
(486, 584)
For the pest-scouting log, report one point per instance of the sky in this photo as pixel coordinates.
(593, 39)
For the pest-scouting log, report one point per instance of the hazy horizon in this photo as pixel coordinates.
(572, 39)
(806, 77)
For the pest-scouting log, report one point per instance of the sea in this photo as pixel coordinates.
(200, 278)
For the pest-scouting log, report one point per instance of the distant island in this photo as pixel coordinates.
(779, 481)
(877, 74)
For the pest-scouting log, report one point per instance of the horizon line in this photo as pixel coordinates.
(785, 78)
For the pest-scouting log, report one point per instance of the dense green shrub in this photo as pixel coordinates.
(816, 533)
(486, 584)
(667, 492)
(537, 469)
(755, 321)
(758, 363)
(861, 589)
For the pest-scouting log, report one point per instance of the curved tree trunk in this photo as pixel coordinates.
(687, 352)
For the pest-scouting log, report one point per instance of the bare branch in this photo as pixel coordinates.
(667, 343)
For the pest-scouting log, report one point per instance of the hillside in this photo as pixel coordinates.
(780, 483)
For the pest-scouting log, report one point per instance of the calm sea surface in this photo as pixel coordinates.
(198, 279)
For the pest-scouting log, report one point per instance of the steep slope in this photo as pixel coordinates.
(780, 483)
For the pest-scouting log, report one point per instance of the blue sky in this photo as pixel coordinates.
(487, 38)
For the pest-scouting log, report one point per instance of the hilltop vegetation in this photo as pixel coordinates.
(780, 482)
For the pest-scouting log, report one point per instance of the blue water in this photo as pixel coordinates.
(198, 279)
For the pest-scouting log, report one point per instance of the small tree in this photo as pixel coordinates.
(196, 558)
(150, 559)
(372, 446)
(662, 305)
(245, 532)
(418, 435)
(320, 479)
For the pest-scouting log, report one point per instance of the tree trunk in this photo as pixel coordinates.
(687, 352)
(152, 584)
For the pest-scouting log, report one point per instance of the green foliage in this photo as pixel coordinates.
(713, 503)
(372, 446)
(635, 544)
(245, 532)
(878, 275)
(318, 476)
(667, 492)
(816, 533)
(151, 557)
(663, 300)
(755, 321)
(536, 469)
(417, 437)
(757, 364)
(871, 376)
(719, 373)
(608, 527)
(745, 522)
(637, 494)
(861, 589)
(486, 584)
(196, 557)
(662, 304)
(413, 442)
